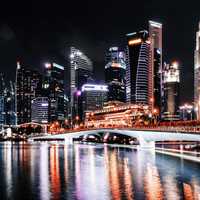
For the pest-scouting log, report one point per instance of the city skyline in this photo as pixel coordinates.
(100, 100)
(21, 35)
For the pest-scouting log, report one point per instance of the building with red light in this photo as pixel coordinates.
(117, 114)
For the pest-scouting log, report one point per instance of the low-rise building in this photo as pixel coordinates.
(117, 114)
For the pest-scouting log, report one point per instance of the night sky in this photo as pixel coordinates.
(35, 32)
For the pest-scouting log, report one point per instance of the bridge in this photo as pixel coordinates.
(146, 138)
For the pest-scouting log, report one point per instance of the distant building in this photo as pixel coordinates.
(171, 92)
(26, 85)
(197, 74)
(2, 99)
(2, 114)
(9, 105)
(81, 71)
(155, 34)
(93, 97)
(139, 81)
(40, 110)
(53, 88)
(115, 74)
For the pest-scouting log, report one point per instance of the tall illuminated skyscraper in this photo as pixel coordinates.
(197, 74)
(115, 72)
(26, 85)
(155, 34)
(9, 105)
(139, 69)
(171, 91)
(2, 99)
(81, 71)
(53, 88)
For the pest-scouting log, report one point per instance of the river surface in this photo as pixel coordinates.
(95, 172)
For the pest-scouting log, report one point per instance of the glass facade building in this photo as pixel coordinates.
(93, 97)
(115, 72)
(2, 98)
(53, 88)
(9, 105)
(139, 73)
(81, 72)
(155, 33)
(2, 114)
(26, 85)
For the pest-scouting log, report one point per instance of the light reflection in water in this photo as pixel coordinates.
(170, 187)
(44, 172)
(129, 190)
(57, 171)
(54, 172)
(113, 171)
(8, 169)
(77, 172)
(152, 184)
(195, 187)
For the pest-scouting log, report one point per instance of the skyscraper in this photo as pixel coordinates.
(139, 89)
(53, 88)
(115, 72)
(171, 91)
(2, 99)
(9, 105)
(81, 71)
(26, 85)
(197, 74)
(155, 33)
(93, 97)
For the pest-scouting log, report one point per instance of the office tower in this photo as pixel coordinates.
(2, 91)
(139, 89)
(81, 71)
(171, 91)
(26, 85)
(93, 97)
(115, 72)
(155, 34)
(53, 88)
(40, 110)
(9, 105)
(197, 74)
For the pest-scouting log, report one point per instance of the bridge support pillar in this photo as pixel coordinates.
(68, 140)
(146, 145)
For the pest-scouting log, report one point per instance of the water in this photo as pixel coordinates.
(57, 171)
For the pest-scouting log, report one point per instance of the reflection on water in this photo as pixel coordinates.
(58, 171)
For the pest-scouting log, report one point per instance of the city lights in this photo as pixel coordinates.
(90, 87)
(47, 65)
(137, 41)
(100, 101)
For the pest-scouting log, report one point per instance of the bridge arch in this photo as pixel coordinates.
(146, 139)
